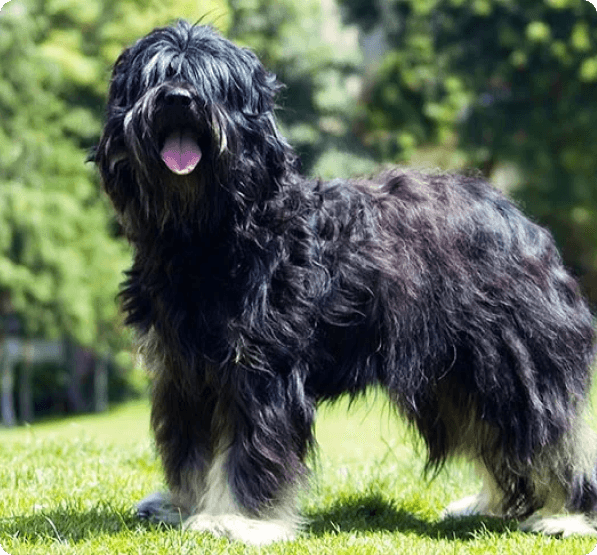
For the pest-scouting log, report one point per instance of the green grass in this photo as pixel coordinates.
(69, 487)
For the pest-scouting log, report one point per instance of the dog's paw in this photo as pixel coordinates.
(481, 504)
(558, 525)
(469, 506)
(158, 507)
(250, 531)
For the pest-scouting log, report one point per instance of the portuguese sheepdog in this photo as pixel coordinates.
(258, 293)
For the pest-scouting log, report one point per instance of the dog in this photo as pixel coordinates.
(258, 294)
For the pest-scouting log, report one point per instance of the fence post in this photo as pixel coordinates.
(9, 418)
(25, 393)
(100, 384)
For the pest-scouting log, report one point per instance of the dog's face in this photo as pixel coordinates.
(188, 113)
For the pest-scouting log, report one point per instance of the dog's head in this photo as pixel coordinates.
(190, 116)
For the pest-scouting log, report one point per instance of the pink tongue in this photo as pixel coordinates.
(181, 153)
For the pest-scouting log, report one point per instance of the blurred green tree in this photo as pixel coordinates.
(58, 261)
(508, 81)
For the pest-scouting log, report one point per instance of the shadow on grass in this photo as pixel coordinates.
(69, 525)
(370, 513)
(373, 513)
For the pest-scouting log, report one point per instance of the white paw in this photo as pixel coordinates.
(251, 531)
(564, 525)
(158, 507)
(468, 506)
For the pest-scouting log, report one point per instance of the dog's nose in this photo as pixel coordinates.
(178, 96)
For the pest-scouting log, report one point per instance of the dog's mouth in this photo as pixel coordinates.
(181, 151)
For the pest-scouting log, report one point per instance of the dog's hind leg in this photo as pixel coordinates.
(568, 487)
(488, 502)
(556, 495)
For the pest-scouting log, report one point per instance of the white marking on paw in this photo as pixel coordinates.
(564, 525)
(488, 502)
(236, 527)
(468, 506)
(221, 515)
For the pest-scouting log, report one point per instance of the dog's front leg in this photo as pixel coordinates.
(181, 422)
(258, 463)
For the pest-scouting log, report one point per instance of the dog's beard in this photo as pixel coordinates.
(165, 131)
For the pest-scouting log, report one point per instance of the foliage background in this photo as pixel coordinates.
(507, 86)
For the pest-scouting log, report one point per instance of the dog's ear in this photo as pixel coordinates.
(249, 86)
(118, 90)
(268, 87)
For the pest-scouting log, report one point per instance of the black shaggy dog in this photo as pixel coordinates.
(258, 293)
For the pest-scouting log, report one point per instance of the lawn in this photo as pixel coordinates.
(69, 487)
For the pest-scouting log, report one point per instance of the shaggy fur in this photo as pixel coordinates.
(258, 293)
